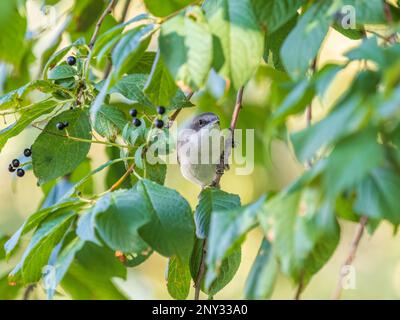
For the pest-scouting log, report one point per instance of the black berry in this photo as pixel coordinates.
(27, 152)
(60, 126)
(160, 110)
(20, 172)
(15, 163)
(71, 60)
(11, 168)
(137, 122)
(133, 113)
(66, 124)
(159, 123)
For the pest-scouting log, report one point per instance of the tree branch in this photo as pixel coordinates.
(229, 143)
(106, 12)
(351, 256)
(29, 289)
(200, 273)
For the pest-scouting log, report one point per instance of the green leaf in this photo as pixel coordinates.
(54, 155)
(351, 160)
(304, 230)
(26, 118)
(130, 48)
(274, 42)
(34, 220)
(367, 12)
(13, 26)
(160, 87)
(14, 98)
(227, 270)
(238, 41)
(118, 216)
(186, 46)
(178, 278)
(228, 230)
(378, 194)
(262, 277)
(132, 87)
(36, 255)
(296, 101)
(59, 55)
(8, 292)
(109, 122)
(81, 283)
(303, 43)
(273, 14)
(116, 171)
(212, 200)
(345, 119)
(62, 72)
(155, 172)
(171, 230)
(165, 7)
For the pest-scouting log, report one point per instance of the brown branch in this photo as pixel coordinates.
(106, 12)
(200, 273)
(351, 256)
(29, 289)
(229, 143)
(122, 179)
(125, 10)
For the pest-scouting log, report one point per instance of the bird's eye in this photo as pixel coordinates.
(202, 122)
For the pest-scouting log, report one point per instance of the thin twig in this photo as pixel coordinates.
(29, 289)
(125, 10)
(229, 143)
(122, 179)
(200, 273)
(351, 256)
(106, 12)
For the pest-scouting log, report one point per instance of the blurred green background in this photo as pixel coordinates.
(378, 259)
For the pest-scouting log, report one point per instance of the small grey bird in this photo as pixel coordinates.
(199, 149)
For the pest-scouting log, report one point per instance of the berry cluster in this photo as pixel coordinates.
(158, 123)
(62, 125)
(12, 167)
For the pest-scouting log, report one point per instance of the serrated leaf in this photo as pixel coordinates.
(160, 87)
(130, 48)
(305, 231)
(262, 277)
(36, 255)
(186, 46)
(212, 200)
(238, 40)
(34, 220)
(378, 194)
(109, 122)
(54, 155)
(303, 43)
(118, 216)
(26, 118)
(273, 14)
(62, 72)
(132, 87)
(171, 230)
(228, 230)
(178, 278)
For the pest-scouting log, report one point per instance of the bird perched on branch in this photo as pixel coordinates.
(199, 149)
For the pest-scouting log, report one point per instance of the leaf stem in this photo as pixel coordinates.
(351, 256)
(67, 136)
